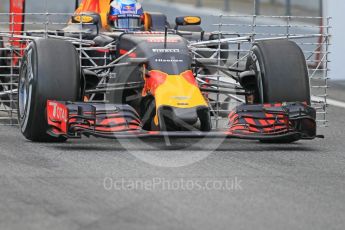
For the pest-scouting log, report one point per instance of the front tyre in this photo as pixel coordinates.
(50, 70)
(281, 74)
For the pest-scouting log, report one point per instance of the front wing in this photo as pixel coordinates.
(256, 122)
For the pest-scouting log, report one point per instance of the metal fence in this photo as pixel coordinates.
(312, 37)
(13, 45)
(267, 7)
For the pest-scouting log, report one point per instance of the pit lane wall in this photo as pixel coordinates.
(267, 7)
(34, 6)
(335, 9)
(41, 5)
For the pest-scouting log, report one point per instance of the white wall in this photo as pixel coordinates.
(305, 4)
(40, 5)
(336, 9)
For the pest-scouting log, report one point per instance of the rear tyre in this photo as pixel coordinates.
(224, 54)
(50, 70)
(281, 73)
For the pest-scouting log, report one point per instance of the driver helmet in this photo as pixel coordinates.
(126, 15)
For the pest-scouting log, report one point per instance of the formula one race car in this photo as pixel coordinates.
(151, 79)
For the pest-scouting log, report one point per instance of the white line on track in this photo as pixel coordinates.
(336, 103)
(332, 102)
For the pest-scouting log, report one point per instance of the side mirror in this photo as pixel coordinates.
(188, 20)
(83, 19)
(87, 19)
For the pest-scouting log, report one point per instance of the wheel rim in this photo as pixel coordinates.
(25, 90)
(260, 84)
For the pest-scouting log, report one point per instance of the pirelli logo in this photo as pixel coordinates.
(166, 50)
(162, 40)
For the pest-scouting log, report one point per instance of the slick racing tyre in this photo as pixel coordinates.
(281, 73)
(50, 70)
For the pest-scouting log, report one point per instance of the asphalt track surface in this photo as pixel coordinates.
(67, 186)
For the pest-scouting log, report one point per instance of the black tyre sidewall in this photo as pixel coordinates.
(269, 86)
(299, 89)
(54, 78)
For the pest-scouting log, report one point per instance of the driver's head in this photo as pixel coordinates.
(126, 15)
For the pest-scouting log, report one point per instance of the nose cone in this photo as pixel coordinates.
(179, 91)
(178, 117)
(187, 119)
(178, 101)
